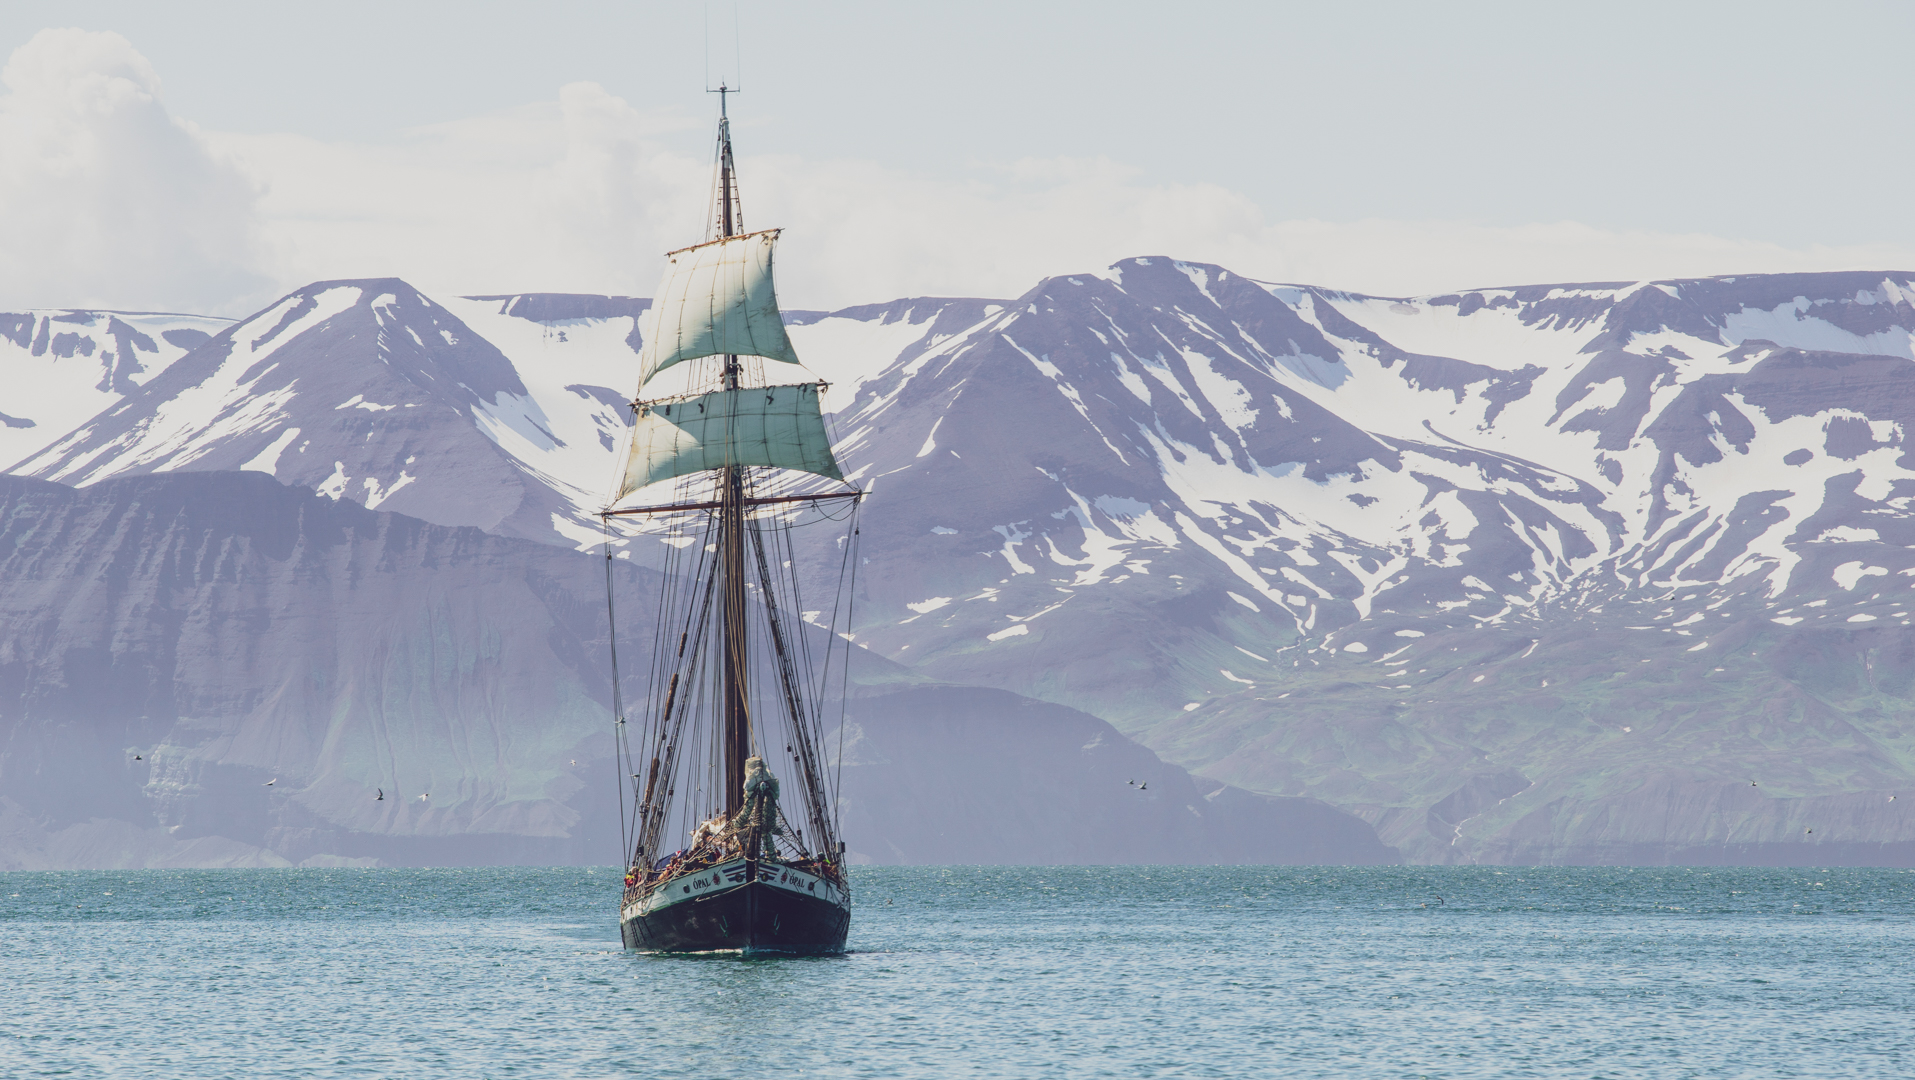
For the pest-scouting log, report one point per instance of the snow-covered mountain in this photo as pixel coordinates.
(1545, 572)
(58, 368)
(1528, 448)
(495, 411)
(365, 390)
(1289, 537)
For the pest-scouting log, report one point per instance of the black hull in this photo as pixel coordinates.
(754, 917)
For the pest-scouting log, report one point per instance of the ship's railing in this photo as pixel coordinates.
(639, 882)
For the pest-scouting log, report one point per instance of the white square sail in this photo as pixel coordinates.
(778, 426)
(717, 299)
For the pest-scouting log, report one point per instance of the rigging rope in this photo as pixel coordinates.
(688, 677)
(844, 671)
(619, 756)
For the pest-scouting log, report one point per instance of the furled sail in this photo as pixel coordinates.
(779, 426)
(717, 299)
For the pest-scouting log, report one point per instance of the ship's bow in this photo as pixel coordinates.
(745, 906)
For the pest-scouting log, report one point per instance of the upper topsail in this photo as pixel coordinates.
(717, 299)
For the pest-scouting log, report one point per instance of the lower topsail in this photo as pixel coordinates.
(776, 426)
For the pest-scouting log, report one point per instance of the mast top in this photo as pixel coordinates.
(729, 218)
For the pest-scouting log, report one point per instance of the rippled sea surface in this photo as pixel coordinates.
(971, 971)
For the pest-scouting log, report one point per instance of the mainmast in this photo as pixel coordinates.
(717, 302)
(731, 533)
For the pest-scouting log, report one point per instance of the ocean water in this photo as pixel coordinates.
(971, 972)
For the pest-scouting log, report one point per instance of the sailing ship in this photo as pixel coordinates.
(723, 855)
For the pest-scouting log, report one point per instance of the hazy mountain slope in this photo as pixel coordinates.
(215, 669)
(230, 631)
(60, 367)
(928, 780)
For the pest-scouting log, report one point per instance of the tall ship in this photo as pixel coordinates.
(728, 789)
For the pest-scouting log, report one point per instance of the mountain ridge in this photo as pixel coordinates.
(1390, 552)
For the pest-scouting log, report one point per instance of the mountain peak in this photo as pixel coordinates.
(362, 388)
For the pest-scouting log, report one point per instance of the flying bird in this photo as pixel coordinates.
(423, 798)
(1145, 786)
(382, 796)
(271, 782)
(137, 757)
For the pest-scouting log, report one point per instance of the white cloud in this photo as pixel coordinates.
(1423, 257)
(106, 198)
(877, 234)
(565, 196)
(127, 206)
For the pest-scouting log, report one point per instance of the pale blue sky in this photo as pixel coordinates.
(1782, 124)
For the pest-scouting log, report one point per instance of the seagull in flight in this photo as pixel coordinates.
(382, 796)
(1145, 786)
(423, 798)
(137, 757)
(271, 782)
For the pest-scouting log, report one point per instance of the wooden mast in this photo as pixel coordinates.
(731, 536)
